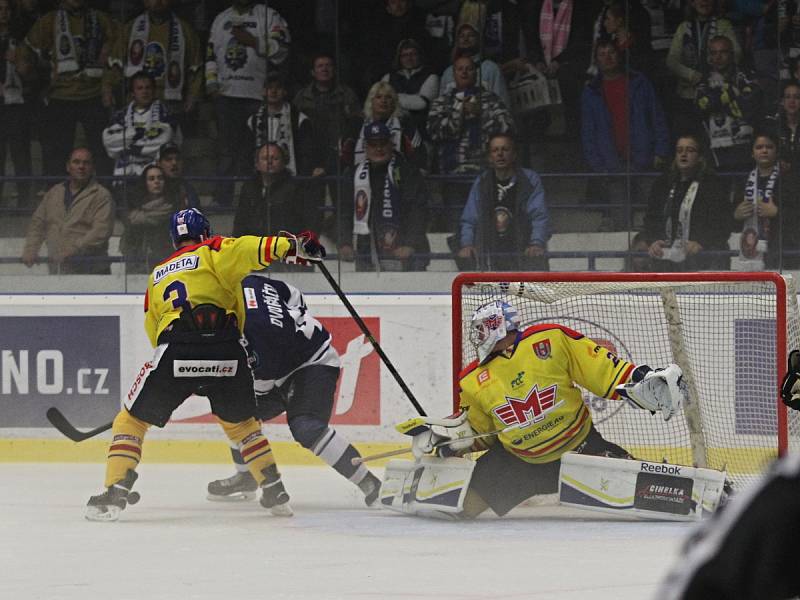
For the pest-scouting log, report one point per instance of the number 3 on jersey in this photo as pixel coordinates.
(181, 298)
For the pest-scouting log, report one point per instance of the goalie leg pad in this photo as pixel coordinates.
(647, 490)
(427, 487)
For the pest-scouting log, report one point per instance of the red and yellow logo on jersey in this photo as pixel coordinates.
(542, 349)
(483, 376)
(532, 409)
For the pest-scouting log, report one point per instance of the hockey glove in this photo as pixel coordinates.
(790, 388)
(661, 390)
(305, 248)
(448, 437)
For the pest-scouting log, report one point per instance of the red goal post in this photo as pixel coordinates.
(729, 332)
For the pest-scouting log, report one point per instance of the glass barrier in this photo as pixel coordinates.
(419, 138)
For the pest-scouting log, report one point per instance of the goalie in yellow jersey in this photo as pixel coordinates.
(520, 401)
(194, 316)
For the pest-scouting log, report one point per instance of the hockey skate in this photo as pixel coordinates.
(371, 486)
(273, 494)
(108, 505)
(241, 486)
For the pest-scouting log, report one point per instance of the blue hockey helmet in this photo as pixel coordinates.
(189, 224)
(490, 323)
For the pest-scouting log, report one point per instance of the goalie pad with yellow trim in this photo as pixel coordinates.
(647, 490)
(428, 486)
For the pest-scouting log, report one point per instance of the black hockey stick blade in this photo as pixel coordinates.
(59, 421)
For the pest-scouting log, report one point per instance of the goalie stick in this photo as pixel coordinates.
(60, 422)
(372, 340)
(362, 459)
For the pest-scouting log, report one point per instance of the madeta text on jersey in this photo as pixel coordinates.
(184, 263)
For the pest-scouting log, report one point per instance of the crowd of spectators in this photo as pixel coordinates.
(379, 120)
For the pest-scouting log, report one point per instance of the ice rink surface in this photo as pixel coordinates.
(175, 545)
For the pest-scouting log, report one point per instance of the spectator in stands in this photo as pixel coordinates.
(386, 200)
(16, 111)
(137, 133)
(394, 21)
(415, 82)
(74, 95)
(462, 119)
(688, 213)
(561, 47)
(274, 200)
(787, 123)
(441, 17)
(505, 225)
(247, 40)
(631, 37)
(167, 48)
(277, 121)
(382, 105)
(789, 30)
(768, 209)
(145, 241)
(729, 100)
(75, 219)
(177, 190)
(688, 57)
(335, 114)
(623, 127)
(468, 42)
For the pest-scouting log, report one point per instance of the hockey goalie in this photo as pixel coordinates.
(521, 404)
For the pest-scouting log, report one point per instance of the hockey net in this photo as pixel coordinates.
(729, 332)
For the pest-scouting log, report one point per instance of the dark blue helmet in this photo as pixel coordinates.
(189, 224)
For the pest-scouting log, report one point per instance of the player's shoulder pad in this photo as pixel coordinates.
(534, 329)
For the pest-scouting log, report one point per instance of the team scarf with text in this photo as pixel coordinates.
(754, 195)
(390, 202)
(695, 43)
(175, 54)
(67, 58)
(684, 214)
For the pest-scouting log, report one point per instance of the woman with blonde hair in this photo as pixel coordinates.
(382, 104)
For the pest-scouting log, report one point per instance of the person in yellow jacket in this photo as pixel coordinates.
(194, 315)
(523, 387)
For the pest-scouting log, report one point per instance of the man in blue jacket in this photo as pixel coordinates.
(504, 225)
(622, 126)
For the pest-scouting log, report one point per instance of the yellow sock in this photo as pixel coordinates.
(125, 450)
(252, 444)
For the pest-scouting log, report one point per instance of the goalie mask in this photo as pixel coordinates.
(490, 324)
(189, 224)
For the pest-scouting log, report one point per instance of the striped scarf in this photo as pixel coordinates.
(554, 30)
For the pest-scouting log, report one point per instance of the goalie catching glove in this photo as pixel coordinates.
(448, 436)
(662, 390)
(790, 388)
(306, 248)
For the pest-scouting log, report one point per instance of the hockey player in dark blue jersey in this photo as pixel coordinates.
(296, 369)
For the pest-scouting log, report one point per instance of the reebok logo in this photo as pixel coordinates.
(204, 368)
(655, 468)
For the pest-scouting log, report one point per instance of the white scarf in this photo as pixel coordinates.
(67, 60)
(755, 231)
(279, 130)
(175, 54)
(12, 85)
(362, 197)
(684, 220)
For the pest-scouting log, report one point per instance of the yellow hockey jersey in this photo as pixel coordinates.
(207, 273)
(531, 388)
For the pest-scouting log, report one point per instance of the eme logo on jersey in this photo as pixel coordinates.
(184, 263)
(542, 349)
(531, 409)
(204, 368)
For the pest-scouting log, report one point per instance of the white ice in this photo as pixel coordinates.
(175, 544)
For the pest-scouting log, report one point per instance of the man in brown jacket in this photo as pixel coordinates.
(76, 219)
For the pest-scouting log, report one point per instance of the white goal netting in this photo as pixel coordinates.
(724, 332)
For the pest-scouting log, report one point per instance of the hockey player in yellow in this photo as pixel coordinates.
(194, 317)
(521, 398)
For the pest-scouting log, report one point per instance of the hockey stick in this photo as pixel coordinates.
(371, 339)
(362, 459)
(59, 421)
